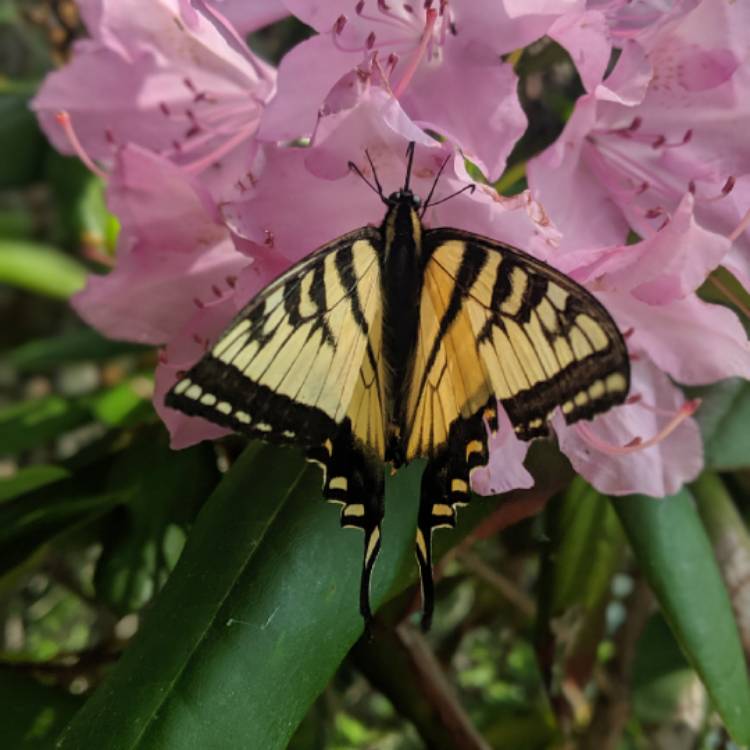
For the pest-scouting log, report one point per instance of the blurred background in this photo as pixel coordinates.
(549, 635)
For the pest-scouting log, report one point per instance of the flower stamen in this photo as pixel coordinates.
(638, 443)
(424, 42)
(63, 120)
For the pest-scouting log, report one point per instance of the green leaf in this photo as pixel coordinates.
(255, 618)
(586, 547)
(32, 714)
(82, 344)
(84, 220)
(38, 421)
(23, 142)
(662, 678)
(724, 419)
(672, 548)
(32, 520)
(30, 478)
(34, 422)
(125, 404)
(161, 491)
(41, 269)
(588, 543)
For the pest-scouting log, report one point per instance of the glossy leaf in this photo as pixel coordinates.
(42, 355)
(586, 546)
(32, 714)
(41, 269)
(257, 615)
(30, 478)
(160, 492)
(675, 554)
(23, 143)
(84, 220)
(724, 419)
(662, 678)
(31, 423)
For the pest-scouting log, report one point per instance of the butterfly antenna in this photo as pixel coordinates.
(377, 187)
(409, 162)
(434, 185)
(466, 188)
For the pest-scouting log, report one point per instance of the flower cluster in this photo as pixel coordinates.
(191, 129)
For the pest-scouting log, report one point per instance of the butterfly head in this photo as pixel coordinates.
(404, 197)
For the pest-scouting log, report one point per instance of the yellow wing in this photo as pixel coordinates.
(496, 323)
(303, 356)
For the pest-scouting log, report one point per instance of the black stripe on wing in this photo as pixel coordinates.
(579, 362)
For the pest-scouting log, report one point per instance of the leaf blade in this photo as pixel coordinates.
(675, 554)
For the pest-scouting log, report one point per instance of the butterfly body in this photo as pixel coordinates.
(397, 342)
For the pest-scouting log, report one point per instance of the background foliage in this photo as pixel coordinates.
(205, 598)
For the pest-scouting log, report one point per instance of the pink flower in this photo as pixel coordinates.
(669, 120)
(649, 288)
(169, 75)
(648, 445)
(249, 16)
(442, 63)
(178, 275)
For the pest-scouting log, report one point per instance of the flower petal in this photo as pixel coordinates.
(505, 470)
(693, 341)
(485, 119)
(659, 470)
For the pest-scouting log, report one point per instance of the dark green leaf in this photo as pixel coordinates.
(32, 714)
(661, 675)
(32, 423)
(74, 346)
(724, 419)
(161, 491)
(41, 269)
(588, 543)
(675, 554)
(125, 404)
(23, 142)
(84, 220)
(256, 617)
(30, 478)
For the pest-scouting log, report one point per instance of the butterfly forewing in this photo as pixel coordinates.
(530, 336)
(298, 360)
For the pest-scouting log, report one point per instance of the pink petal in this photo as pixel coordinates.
(306, 74)
(156, 78)
(658, 270)
(585, 36)
(505, 470)
(183, 351)
(247, 16)
(170, 254)
(484, 119)
(691, 340)
(658, 470)
(628, 83)
(571, 194)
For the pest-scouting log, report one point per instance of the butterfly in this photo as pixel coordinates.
(397, 342)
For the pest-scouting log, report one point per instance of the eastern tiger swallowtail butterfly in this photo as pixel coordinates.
(397, 342)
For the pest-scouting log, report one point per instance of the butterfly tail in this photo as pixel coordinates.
(354, 479)
(445, 488)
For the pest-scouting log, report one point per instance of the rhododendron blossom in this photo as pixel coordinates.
(213, 204)
(171, 76)
(669, 120)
